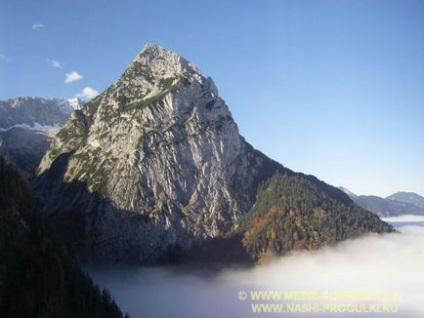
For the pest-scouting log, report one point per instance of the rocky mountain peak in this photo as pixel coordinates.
(163, 63)
(162, 144)
(152, 74)
(153, 164)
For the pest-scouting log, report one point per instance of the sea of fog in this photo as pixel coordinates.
(372, 276)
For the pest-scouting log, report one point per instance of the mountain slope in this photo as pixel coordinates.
(408, 197)
(25, 148)
(38, 277)
(348, 192)
(386, 207)
(154, 164)
(400, 203)
(293, 213)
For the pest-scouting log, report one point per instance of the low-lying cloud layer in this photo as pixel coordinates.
(373, 273)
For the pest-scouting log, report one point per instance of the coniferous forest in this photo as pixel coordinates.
(38, 276)
(292, 214)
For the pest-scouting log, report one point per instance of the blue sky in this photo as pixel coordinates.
(333, 88)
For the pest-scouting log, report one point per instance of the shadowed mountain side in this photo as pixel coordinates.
(83, 216)
(38, 275)
(25, 149)
(212, 254)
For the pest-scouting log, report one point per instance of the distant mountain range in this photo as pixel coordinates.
(35, 113)
(27, 125)
(407, 197)
(399, 203)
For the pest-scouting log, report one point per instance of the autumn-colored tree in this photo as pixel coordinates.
(294, 213)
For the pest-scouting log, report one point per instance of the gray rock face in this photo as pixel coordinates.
(154, 163)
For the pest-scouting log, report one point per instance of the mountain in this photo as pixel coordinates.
(400, 203)
(24, 149)
(156, 164)
(38, 276)
(292, 212)
(407, 197)
(385, 207)
(27, 125)
(347, 191)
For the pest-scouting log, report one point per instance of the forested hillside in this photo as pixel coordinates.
(38, 277)
(292, 213)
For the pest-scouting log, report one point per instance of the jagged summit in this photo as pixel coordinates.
(152, 74)
(163, 63)
(156, 64)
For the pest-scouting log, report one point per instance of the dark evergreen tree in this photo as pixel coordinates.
(38, 276)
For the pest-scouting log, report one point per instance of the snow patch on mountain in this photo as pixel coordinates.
(35, 126)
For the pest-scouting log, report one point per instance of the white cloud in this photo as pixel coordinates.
(54, 63)
(37, 26)
(87, 93)
(72, 77)
(387, 266)
(4, 58)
